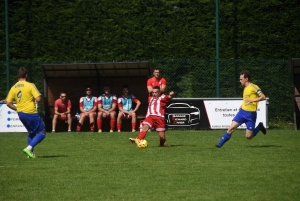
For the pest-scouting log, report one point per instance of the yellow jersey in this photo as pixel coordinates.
(251, 92)
(24, 93)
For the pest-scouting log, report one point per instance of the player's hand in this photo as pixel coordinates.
(171, 93)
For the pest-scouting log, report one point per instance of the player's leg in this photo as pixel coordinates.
(236, 122)
(160, 125)
(36, 126)
(92, 116)
(54, 122)
(119, 121)
(69, 122)
(147, 123)
(260, 127)
(227, 135)
(133, 121)
(99, 121)
(112, 121)
(80, 122)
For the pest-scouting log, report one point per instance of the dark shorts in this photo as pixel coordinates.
(249, 118)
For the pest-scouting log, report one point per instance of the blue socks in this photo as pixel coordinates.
(36, 139)
(256, 130)
(224, 139)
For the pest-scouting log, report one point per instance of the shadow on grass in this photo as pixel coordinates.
(53, 156)
(264, 146)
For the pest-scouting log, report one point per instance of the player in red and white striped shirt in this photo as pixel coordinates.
(155, 116)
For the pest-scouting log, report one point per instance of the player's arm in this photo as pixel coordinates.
(11, 106)
(9, 100)
(163, 85)
(38, 99)
(260, 98)
(138, 104)
(171, 94)
(69, 108)
(113, 107)
(149, 86)
(95, 106)
(150, 89)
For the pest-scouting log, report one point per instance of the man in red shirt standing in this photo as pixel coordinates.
(156, 80)
(155, 116)
(62, 111)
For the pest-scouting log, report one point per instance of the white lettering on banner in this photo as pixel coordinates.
(221, 112)
(178, 115)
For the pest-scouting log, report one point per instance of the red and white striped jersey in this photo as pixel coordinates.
(157, 106)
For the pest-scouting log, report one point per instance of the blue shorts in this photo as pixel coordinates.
(249, 118)
(32, 122)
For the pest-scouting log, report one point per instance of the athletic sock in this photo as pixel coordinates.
(119, 126)
(92, 126)
(29, 147)
(133, 125)
(226, 136)
(78, 128)
(37, 139)
(142, 135)
(112, 124)
(256, 130)
(99, 124)
(162, 141)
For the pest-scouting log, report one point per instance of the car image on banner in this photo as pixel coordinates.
(182, 115)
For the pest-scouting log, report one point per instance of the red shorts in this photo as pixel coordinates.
(155, 122)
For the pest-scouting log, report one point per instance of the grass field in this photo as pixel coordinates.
(106, 166)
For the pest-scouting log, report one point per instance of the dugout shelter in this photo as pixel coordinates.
(294, 67)
(74, 78)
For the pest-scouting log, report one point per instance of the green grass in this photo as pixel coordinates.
(106, 166)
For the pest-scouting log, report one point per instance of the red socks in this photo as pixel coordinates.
(142, 135)
(99, 124)
(112, 124)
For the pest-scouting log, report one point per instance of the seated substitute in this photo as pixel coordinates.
(125, 108)
(62, 111)
(88, 108)
(107, 104)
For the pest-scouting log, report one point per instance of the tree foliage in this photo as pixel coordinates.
(94, 30)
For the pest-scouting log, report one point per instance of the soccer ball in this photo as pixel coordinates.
(142, 144)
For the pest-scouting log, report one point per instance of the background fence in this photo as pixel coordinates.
(196, 78)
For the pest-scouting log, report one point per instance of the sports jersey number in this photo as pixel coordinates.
(19, 96)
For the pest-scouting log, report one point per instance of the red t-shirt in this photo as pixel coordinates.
(157, 106)
(154, 82)
(62, 106)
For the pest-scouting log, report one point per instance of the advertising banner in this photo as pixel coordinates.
(9, 120)
(197, 113)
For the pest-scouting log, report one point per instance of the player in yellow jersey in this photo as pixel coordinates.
(247, 114)
(25, 94)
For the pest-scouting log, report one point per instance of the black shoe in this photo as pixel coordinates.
(262, 128)
(218, 146)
